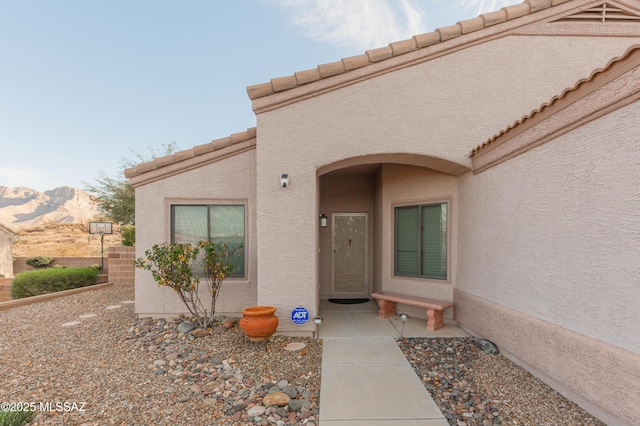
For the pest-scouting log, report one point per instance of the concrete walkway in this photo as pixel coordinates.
(366, 380)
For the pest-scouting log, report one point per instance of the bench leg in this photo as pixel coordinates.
(434, 319)
(387, 308)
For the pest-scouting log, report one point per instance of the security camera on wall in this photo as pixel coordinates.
(284, 180)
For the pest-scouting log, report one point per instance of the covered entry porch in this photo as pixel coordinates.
(358, 204)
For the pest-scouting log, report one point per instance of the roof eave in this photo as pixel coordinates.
(189, 159)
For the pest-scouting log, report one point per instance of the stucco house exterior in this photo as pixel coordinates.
(6, 251)
(494, 163)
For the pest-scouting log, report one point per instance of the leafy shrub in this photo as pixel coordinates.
(51, 280)
(15, 418)
(58, 267)
(39, 262)
(128, 233)
(96, 267)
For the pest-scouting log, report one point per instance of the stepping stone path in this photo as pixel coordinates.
(86, 316)
(295, 346)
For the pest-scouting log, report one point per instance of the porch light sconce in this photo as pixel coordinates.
(317, 321)
(284, 180)
(323, 220)
(403, 318)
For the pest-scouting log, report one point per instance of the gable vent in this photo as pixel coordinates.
(602, 14)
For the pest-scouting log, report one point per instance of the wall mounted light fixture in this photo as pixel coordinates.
(323, 220)
(284, 180)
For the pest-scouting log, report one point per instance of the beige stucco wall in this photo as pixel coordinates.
(555, 232)
(602, 378)
(6, 254)
(442, 108)
(377, 194)
(408, 185)
(554, 235)
(230, 180)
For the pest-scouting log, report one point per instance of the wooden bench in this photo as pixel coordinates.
(435, 308)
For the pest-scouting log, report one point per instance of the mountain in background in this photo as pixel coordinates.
(25, 208)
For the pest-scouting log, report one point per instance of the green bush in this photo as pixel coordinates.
(39, 262)
(96, 267)
(43, 281)
(128, 233)
(15, 418)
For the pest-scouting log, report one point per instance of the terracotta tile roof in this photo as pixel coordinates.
(399, 48)
(566, 92)
(196, 151)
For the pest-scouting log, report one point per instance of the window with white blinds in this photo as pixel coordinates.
(421, 241)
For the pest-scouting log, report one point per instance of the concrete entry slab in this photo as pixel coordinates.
(361, 351)
(366, 379)
(371, 392)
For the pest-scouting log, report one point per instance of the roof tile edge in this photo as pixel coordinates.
(196, 151)
(398, 48)
(566, 92)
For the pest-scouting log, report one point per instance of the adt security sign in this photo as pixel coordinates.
(299, 315)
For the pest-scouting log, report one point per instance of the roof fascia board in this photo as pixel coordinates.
(192, 163)
(451, 45)
(606, 90)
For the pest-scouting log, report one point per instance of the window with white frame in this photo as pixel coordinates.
(218, 223)
(421, 241)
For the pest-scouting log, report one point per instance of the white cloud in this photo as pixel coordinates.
(357, 24)
(361, 25)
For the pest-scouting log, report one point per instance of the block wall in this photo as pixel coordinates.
(121, 269)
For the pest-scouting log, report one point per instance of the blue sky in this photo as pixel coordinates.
(84, 84)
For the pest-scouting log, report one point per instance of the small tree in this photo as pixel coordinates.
(172, 265)
(116, 195)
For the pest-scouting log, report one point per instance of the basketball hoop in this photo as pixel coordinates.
(101, 228)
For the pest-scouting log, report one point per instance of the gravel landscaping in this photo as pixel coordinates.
(90, 361)
(96, 364)
(472, 387)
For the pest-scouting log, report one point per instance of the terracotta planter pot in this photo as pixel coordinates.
(259, 322)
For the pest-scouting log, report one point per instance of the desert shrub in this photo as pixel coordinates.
(15, 418)
(128, 233)
(39, 261)
(50, 280)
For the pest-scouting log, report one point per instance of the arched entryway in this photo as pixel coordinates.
(358, 197)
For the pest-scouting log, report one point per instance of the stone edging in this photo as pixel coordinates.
(50, 296)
